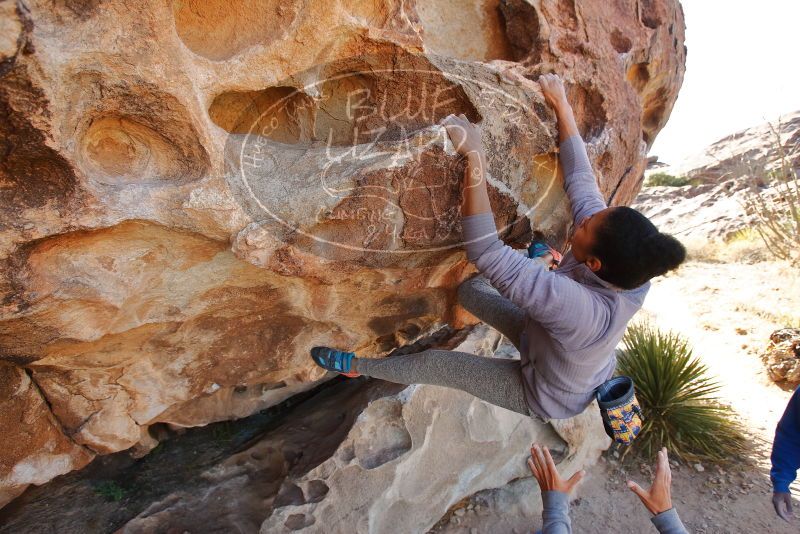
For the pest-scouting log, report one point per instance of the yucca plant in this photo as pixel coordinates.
(677, 399)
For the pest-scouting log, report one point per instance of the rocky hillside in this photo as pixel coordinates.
(711, 207)
(196, 192)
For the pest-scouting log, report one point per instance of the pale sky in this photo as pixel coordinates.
(742, 69)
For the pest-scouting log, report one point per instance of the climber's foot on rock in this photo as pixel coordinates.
(334, 360)
(539, 249)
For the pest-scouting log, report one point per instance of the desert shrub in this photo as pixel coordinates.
(776, 317)
(747, 233)
(662, 178)
(110, 490)
(777, 212)
(741, 246)
(223, 432)
(677, 399)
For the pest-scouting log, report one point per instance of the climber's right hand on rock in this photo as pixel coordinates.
(466, 137)
(553, 90)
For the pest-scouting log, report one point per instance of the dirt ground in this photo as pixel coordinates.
(727, 311)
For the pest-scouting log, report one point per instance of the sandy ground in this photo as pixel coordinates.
(727, 311)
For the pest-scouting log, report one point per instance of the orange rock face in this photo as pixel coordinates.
(35, 448)
(194, 193)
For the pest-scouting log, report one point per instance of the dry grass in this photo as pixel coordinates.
(778, 214)
(780, 320)
(745, 246)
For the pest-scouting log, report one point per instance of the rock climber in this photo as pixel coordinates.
(555, 494)
(565, 322)
(786, 457)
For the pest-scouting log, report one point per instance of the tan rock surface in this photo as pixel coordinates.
(407, 458)
(34, 446)
(152, 267)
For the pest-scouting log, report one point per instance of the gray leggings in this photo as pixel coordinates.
(495, 380)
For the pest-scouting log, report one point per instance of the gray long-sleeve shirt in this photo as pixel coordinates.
(555, 516)
(574, 319)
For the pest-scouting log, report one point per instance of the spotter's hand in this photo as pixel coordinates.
(544, 469)
(658, 498)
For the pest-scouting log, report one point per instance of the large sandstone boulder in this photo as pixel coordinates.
(196, 192)
(357, 456)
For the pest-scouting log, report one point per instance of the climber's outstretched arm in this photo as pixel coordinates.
(579, 180)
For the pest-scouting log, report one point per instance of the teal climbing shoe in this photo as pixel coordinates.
(334, 360)
(539, 248)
